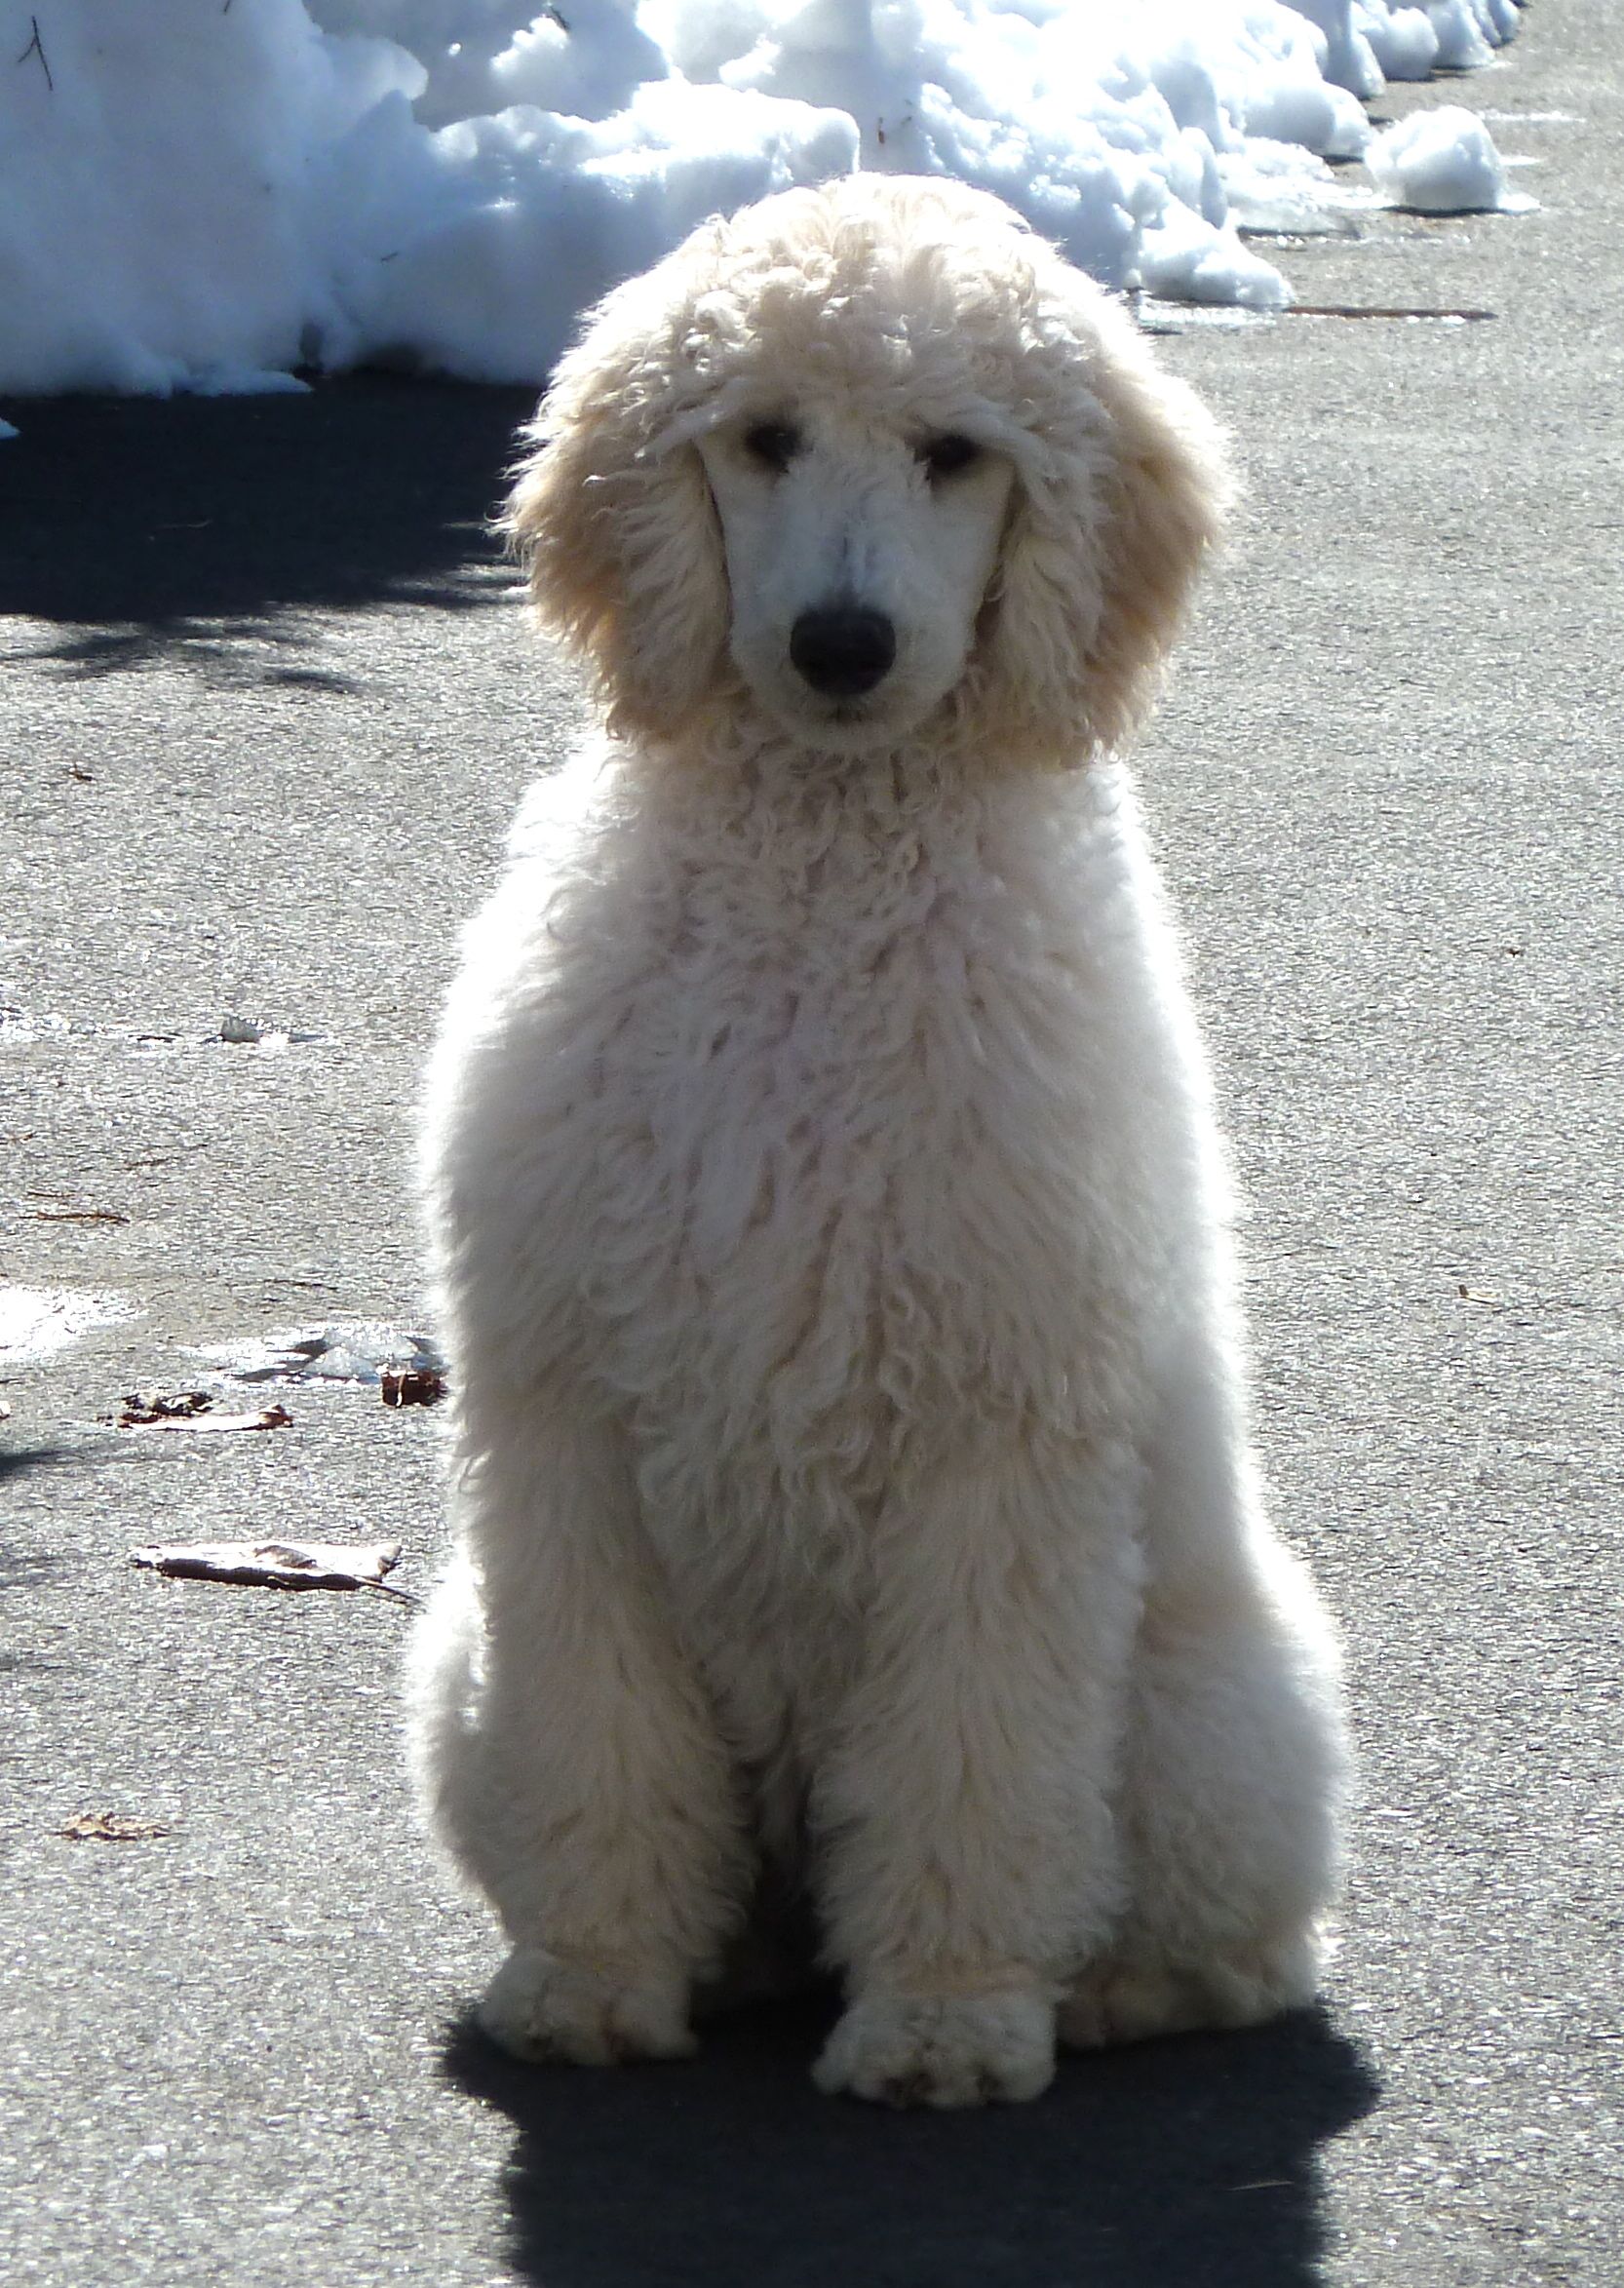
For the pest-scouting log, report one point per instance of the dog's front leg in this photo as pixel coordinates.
(566, 1751)
(967, 1844)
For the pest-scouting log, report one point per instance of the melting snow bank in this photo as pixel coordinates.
(201, 198)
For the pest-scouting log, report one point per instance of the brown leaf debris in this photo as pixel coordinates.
(111, 1827)
(192, 1410)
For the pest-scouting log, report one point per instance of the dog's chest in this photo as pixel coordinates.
(848, 1152)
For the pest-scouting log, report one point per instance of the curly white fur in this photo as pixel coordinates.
(852, 1475)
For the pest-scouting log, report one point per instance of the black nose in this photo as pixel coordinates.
(842, 649)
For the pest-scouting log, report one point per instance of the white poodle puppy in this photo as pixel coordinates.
(852, 1487)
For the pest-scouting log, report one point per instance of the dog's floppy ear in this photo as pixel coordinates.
(1125, 490)
(613, 520)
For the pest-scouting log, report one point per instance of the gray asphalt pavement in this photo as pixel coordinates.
(266, 704)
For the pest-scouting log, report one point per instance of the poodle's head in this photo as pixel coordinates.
(863, 456)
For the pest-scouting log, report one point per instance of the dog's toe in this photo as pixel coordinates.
(943, 2051)
(1136, 1996)
(543, 2009)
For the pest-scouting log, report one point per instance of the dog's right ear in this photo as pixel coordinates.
(1127, 494)
(613, 518)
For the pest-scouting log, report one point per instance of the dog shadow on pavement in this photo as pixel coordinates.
(1190, 2161)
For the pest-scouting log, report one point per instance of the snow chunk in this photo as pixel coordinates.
(356, 1351)
(591, 69)
(1404, 41)
(1346, 56)
(1280, 187)
(1462, 43)
(1442, 162)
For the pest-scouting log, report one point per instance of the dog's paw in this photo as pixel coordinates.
(1135, 1995)
(541, 2008)
(943, 2050)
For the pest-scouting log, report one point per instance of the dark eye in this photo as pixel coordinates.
(944, 456)
(774, 443)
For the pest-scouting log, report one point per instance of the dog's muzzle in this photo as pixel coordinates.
(844, 649)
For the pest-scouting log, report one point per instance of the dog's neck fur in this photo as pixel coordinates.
(767, 822)
(948, 752)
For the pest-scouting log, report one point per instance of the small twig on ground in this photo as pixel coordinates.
(278, 1564)
(36, 47)
(76, 1215)
(1369, 310)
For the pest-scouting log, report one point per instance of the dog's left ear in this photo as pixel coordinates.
(614, 523)
(1126, 492)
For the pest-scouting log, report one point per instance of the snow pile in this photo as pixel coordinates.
(1442, 162)
(155, 225)
(1370, 41)
(205, 198)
